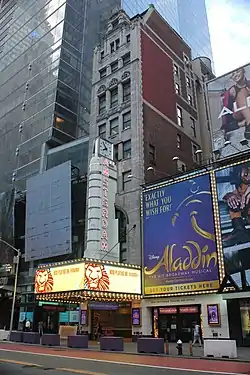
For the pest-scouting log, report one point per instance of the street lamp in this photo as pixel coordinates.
(15, 284)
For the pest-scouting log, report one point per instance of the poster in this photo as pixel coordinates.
(213, 314)
(136, 316)
(233, 190)
(99, 277)
(178, 238)
(229, 102)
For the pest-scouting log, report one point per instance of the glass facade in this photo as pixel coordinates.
(46, 49)
(187, 17)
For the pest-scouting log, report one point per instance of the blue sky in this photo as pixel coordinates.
(229, 23)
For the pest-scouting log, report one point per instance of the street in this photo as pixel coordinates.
(31, 360)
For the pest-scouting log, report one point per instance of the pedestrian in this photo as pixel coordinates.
(99, 332)
(24, 324)
(197, 336)
(27, 325)
(40, 328)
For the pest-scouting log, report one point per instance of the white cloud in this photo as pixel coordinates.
(229, 23)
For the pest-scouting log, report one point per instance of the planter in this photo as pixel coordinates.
(115, 344)
(150, 345)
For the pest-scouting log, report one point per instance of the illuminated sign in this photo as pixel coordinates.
(88, 276)
(62, 278)
(136, 317)
(188, 310)
(105, 208)
(180, 254)
(168, 310)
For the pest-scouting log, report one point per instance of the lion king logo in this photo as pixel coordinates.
(44, 281)
(96, 277)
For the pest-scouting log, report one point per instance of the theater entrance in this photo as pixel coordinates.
(178, 322)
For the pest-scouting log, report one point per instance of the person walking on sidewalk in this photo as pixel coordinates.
(197, 335)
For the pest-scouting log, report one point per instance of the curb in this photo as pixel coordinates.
(61, 348)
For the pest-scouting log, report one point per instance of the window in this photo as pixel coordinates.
(117, 43)
(126, 59)
(151, 154)
(176, 70)
(186, 60)
(190, 100)
(103, 72)
(102, 55)
(112, 47)
(102, 104)
(178, 141)
(126, 180)
(115, 23)
(177, 88)
(102, 131)
(127, 149)
(128, 38)
(193, 127)
(126, 120)
(179, 116)
(183, 167)
(114, 97)
(126, 91)
(114, 126)
(188, 82)
(114, 66)
(196, 155)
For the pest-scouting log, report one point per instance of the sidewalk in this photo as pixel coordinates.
(131, 348)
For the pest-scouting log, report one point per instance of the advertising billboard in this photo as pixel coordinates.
(233, 191)
(229, 102)
(48, 214)
(179, 238)
(88, 276)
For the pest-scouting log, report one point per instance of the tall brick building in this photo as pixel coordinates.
(149, 101)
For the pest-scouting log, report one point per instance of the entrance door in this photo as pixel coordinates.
(186, 323)
(51, 321)
(168, 327)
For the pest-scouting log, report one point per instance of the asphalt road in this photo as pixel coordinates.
(16, 363)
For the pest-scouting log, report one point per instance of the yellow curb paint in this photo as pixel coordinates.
(84, 372)
(19, 362)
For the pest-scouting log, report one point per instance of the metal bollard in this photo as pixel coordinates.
(191, 348)
(167, 347)
(179, 347)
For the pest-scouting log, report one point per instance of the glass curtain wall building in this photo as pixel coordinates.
(46, 49)
(187, 17)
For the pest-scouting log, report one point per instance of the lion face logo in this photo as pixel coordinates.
(44, 281)
(96, 277)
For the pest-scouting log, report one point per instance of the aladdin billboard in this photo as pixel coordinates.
(229, 102)
(88, 276)
(233, 195)
(179, 245)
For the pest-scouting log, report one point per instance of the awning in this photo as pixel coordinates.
(236, 295)
(83, 295)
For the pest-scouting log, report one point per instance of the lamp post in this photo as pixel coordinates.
(15, 284)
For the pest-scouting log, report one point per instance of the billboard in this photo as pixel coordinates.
(88, 276)
(179, 238)
(229, 101)
(233, 191)
(48, 214)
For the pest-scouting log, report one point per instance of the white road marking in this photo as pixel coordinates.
(123, 363)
